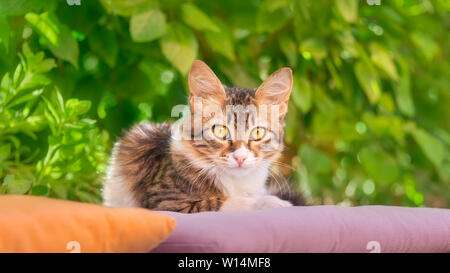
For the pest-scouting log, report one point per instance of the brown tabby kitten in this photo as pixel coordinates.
(151, 168)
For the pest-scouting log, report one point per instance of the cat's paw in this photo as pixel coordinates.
(270, 201)
(238, 203)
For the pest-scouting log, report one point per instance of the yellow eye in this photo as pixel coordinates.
(257, 133)
(220, 131)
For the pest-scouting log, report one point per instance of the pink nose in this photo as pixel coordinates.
(239, 159)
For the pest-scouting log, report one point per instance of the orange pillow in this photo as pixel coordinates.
(40, 224)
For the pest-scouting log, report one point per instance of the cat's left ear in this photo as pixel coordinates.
(276, 90)
(203, 83)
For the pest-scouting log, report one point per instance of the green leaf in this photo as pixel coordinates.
(426, 44)
(180, 47)
(197, 19)
(60, 191)
(161, 77)
(103, 42)
(5, 151)
(36, 62)
(147, 25)
(128, 7)
(378, 164)
(381, 58)
(289, 48)
(348, 9)
(6, 82)
(45, 66)
(385, 125)
(87, 196)
(60, 100)
(368, 80)
(313, 48)
(403, 93)
(222, 41)
(4, 32)
(59, 37)
(431, 146)
(17, 74)
(16, 100)
(16, 185)
(19, 7)
(75, 107)
(32, 80)
(238, 75)
(274, 5)
(315, 160)
(40, 190)
(269, 19)
(302, 94)
(68, 48)
(51, 110)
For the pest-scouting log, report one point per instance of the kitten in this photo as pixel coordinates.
(215, 171)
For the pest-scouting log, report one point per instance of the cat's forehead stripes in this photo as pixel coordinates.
(239, 96)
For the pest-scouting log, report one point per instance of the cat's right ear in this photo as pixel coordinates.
(204, 84)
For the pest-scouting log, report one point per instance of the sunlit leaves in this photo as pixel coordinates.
(147, 25)
(5, 151)
(77, 107)
(348, 9)
(46, 24)
(289, 48)
(127, 7)
(59, 38)
(428, 47)
(381, 57)
(238, 75)
(349, 44)
(20, 7)
(411, 191)
(222, 41)
(385, 126)
(29, 74)
(16, 185)
(432, 147)
(302, 93)
(368, 79)
(197, 19)
(403, 93)
(270, 17)
(180, 47)
(36, 62)
(26, 168)
(313, 48)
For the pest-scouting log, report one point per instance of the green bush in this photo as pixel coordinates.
(369, 115)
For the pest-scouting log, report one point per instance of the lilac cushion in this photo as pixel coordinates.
(312, 229)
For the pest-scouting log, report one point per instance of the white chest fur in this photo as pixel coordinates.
(249, 183)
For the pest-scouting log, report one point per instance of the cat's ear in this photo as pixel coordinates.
(276, 90)
(204, 83)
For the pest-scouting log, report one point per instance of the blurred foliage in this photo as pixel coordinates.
(369, 114)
